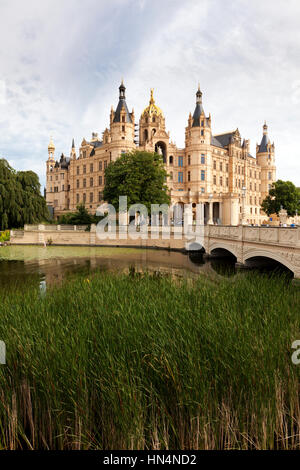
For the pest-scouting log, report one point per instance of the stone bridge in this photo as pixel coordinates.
(255, 245)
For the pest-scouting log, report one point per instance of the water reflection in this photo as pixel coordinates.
(54, 268)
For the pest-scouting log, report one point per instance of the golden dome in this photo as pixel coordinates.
(152, 109)
(51, 145)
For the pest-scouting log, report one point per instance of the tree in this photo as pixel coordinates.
(138, 175)
(80, 217)
(20, 199)
(283, 194)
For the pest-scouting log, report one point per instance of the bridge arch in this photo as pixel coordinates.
(260, 257)
(222, 249)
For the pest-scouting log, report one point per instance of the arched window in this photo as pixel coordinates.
(171, 160)
(153, 119)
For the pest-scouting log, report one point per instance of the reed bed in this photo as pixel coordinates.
(146, 362)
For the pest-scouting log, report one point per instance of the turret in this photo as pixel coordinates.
(121, 126)
(265, 155)
(199, 126)
(73, 151)
(198, 148)
(151, 121)
(51, 150)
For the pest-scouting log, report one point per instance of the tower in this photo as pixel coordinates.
(121, 127)
(50, 167)
(198, 147)
(265, 155)
(151, 120)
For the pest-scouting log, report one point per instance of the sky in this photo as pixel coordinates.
(61, 63)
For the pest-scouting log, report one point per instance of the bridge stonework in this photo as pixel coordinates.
(245, 243)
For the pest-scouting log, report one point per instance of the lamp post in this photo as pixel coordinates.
(210, 216)
(244, 189)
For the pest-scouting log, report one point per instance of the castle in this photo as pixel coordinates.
(215, 170)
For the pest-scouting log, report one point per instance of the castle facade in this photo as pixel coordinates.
(215, 170)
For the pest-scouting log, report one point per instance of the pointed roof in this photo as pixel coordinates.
(122, 104)
(73, 144)
(199, 108)
(265, 140)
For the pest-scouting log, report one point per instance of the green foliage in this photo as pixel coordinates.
(138, 175)
(20, 199)
(283, 194)
(80, 217)
(119, 362)
(4, 236)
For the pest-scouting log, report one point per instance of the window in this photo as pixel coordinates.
(77, 170)
(171, 160)
(63, 187)
(105, 164)
(227, 167)
(91, 197)
(100, 180)
(180, 161)
(202, 175)
(153, 119)
(269, 175)
(171, 176)
(202, 132)
(84, 169)
(91, 168)
(84, 154)
(84, 198)
(84, 183)
(100, 166)
(189, 176)
(202, 124)
(189, 160)
(123, 118)
(202, 159)
(91, 182)
(215, 165)
(202, 190)
(221, 181)
(62, 176)
(227, 182)
(77, 184)
(100, 196)
(77, 198)
(221, 166)
(180, 177)
(123, 128)
(215, 179)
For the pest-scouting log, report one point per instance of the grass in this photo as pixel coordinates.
(146, 362)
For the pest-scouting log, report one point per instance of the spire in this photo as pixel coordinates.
(199, 108)
(122, 104)
(265, 140)
(51, 146)
(73, 144)
(122, 89)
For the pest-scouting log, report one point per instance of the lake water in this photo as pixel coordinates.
(52, 264)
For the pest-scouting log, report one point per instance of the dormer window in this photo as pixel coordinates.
(123, 118)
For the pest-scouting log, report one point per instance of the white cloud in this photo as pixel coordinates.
(62, 62)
